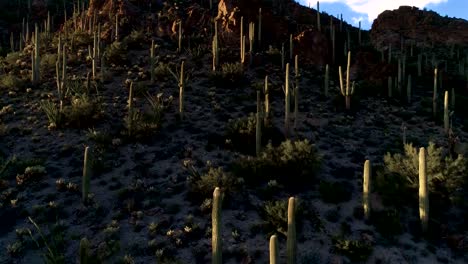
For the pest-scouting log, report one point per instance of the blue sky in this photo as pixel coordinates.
(367, 10)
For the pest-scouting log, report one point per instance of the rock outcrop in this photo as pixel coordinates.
(422, 27)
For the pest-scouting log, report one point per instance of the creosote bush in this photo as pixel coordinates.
(116, 53)
(242, 131)
(231, 74)
(400, 173)
(275, 214)
(293, 164)
(355, 250)
(202, 185)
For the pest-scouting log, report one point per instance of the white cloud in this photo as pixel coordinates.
(372, 8)
(357, 19)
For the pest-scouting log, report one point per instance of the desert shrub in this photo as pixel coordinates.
(135, 39)
(116, 53)
(202, 185)
(355, 250)
(142, 124)
(30, 174)
(231, 74)
(292, 164)
(47, 63)
(445, 174)
(82, 39)
(275, 214)
(242, 133)
(12, 166)
(161, 71)
(52, 111)
(11, 82)
(335, 192)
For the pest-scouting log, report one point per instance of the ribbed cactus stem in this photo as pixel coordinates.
(452, 101)
(259, 27)
(84, 251)
(35, 58)
(296, 90)
(267, 100)
(399, 77)
(180, 37)
(291, 243)
(242, 39)
(419, 65)
(181, 91)
(216, 227)
(423, 191)
(408, 90)
(359, 34)
(366, 189)
(116, 27)
(258, 130)
(390, 86)
(434, 95)
(282, 56)
(318, 16)
(390, 53)
(286, 102)
(446, 113)
(291, 47)
(86, 175)
(251, 41)
(327, 80)
(152, 61)
(94, 55)
(130, 110)
(274, 251)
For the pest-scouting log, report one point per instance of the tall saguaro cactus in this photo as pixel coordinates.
(251, 41)
(267, 101)
(318, 16)
(35, 60)
(286, 102)
(152, 61)
(423, 191)
(274, 252)
(327, 81)
(349, 89)
(446, 113)
(259, 27)
(258, 129)
(86, 175)
(296, 90)
(366, 189)
(434, 95)
(291, 243)
(216, 227)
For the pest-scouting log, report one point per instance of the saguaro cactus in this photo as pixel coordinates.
(35, 60)
(349, 89)
(84, 251)
(390, 86)
(274, 252)
(327, 81)
(258, 130)
(296, 90)
(216, 227)
(86, 175)
(366, 189)
(318, 16)
(152, 61)
(267, 100)
(434, 95)
(408, 90)
(423, 191)
(251, 41)
(259, 27)
(286, 102)
(181, 80)
(446, 113)
(291, 244)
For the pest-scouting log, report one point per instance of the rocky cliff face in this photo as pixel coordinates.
(422, 27)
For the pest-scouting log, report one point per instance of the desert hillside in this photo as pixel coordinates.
(154, 131)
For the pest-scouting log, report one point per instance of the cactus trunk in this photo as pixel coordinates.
(216, 227)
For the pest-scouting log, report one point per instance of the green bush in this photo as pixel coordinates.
(231, 74)
(355, 250)
(242, 133)
(276, 215)
(202, 185)
(116, 53)
(11, 82)
(444, 174)
(293, 164)
(135, 39)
